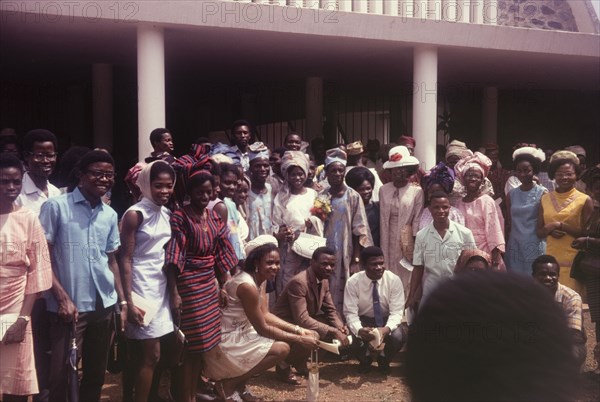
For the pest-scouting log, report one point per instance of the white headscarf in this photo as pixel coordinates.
(143, 180)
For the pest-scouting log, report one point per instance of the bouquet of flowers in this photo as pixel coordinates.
(322, 207)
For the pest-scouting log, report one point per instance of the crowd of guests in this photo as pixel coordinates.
(257, 255)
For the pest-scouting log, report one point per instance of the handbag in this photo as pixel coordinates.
(586, 265)
(117, 353)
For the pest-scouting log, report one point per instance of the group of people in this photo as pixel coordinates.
(258, 255)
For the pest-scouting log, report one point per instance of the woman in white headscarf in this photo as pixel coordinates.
(144, 233)
(291, 215)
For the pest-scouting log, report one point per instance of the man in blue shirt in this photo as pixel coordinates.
(83, 238)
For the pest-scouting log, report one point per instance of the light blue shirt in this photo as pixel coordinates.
(81, 237)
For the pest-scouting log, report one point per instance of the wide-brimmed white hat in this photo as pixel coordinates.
(399, 157)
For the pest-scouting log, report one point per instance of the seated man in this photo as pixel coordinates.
(306, 302)
(546, 271)
(374, 300)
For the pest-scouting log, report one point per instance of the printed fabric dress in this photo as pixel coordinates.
(21, 273)
(199, 247)
(567, 208)
(523, 244)
(149, 280)
(241, 347)
(348, 218)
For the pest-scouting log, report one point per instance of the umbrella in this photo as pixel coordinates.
(73, 377)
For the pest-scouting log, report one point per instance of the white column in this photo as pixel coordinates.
(463, 10)
(102, 90)
(359, 6)
(420, 9)
(489, 115)
(434, 11)
(151, 84)
(490, 12)
(477, 11)
(345, 5)
(314, 108)
(450, 10)
(425, 104)
(375, 6)
(390, 7)
(407, 8)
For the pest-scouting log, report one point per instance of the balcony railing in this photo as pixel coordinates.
(471, 11)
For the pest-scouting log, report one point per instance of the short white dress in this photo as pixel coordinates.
(241, 347)
(148, 277)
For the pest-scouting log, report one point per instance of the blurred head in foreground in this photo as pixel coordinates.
(487, 336)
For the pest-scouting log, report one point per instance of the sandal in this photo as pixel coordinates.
(248, 396)
(234, 397)
(286, 376)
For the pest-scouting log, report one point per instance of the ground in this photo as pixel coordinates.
(339, 382)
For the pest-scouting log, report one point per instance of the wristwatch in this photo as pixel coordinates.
(26, 318)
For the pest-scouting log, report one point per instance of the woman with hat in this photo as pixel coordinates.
(346, 228)
(482, 215)
(564, 214)
(399, 206)
(291, 214)
(252, 339)
(522, 205)
(439, 178)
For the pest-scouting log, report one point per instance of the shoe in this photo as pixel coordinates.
(383, 365)
(286, 376)
(248, 396)
(234, 397)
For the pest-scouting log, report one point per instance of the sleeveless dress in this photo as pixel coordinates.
(567, 208)
(523, 244)
(241, 347)
(148, 277)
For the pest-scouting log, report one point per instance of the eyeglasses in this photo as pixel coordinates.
(97, 174)
(38, 156)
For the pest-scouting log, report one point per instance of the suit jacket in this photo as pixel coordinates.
(300, 302)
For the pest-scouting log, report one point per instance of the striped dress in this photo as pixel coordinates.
(199, 249)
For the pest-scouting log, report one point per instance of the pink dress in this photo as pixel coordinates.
(485, 220)
(24, 269)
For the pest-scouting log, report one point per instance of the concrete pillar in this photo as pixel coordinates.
(390, 7)
(489, 115)
(407, 8)
(425, 104)
(477, 11)
(151, 84)
(102, 94)
(375, 6)
(314, 108)
(490, 12)
(360, 6)
(345, 5)
(420, 9)
(464, 10)
(434, 11)
(450, 10)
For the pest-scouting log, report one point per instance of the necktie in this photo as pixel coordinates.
(377, 306)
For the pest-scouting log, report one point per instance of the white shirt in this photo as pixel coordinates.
(358, 299)
(32, 197)
(439, 256)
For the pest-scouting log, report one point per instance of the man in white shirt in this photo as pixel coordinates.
(437, 248)
(374, 301)
(39, 151)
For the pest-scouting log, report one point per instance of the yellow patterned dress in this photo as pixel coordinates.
(567, 208)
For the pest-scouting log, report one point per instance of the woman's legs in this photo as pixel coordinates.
(150, 355)
(189, 373)
(277, 353)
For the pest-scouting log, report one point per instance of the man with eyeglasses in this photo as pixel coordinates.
(83, 238)
(40, 154)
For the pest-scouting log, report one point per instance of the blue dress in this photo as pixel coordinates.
(523, 244)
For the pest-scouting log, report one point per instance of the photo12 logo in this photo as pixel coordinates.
(67, 11)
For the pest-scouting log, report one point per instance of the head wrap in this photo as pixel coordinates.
(577, 150)
(221, 158)
(258, 150)
(406, 140)
(439, 174)
(188, 165)
(259, 241)
(565, 155)
(400, 156)
(536, 153)
(335, 155)
(477, 161)
(458, 148)
(466, 255)
(143, 180)
(354, 148)
(294, 158)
